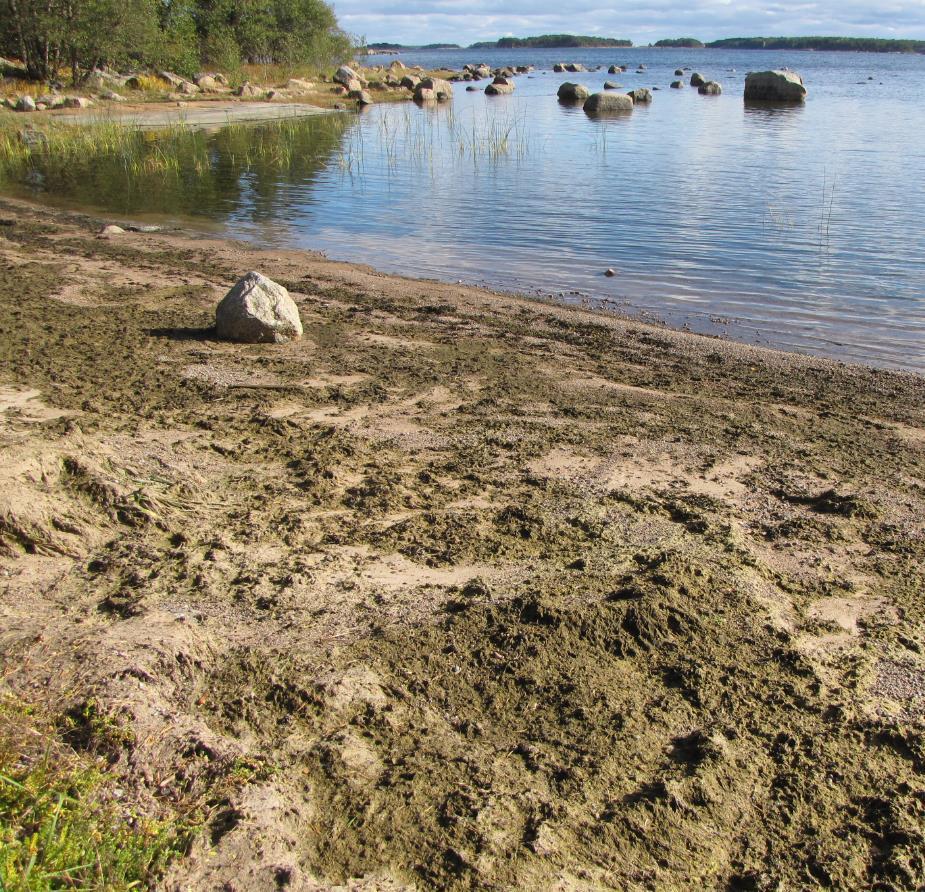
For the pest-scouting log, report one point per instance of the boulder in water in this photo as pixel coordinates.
(499, 87)
(569, 92)
(774, 86)
(608, 104)
(433, 89)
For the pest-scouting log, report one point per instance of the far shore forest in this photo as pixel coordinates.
(565, 41)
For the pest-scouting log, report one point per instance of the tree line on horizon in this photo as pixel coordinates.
(51, 36)
(564, 41)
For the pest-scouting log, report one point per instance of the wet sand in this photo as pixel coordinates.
(462, 590)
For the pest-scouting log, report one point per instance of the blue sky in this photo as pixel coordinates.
(642, 21)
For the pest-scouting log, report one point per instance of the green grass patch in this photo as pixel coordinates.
(62, 822)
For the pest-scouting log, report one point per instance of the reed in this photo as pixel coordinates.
(51, 149)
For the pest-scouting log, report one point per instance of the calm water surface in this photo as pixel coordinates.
(800, 228)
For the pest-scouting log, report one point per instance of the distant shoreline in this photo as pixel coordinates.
(810, 44)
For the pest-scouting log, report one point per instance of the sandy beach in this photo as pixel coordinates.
(461, 590)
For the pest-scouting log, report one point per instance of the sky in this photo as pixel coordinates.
(642, 21)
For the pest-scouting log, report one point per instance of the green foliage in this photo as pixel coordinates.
(77, 35)
(49, 35)
(178, 48)
(290, 32)
(61, 827)
(220, 50)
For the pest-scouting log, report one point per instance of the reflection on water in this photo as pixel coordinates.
(234, 172)
(798, 227)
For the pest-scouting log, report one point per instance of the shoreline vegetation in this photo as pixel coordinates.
(460, 590)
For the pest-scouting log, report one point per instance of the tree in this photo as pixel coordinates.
(285, 31)
(49, 35)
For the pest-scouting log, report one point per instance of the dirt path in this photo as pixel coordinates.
(461, 591)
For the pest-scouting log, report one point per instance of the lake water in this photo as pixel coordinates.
(801, 228)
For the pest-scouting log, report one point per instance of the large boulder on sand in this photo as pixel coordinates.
(433, 88)
(257, 311)
(346, 75)
(569, 92)
(774, 86)
(249, 91)
(608, 104)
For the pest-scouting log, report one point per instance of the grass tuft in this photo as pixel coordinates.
(62, 825)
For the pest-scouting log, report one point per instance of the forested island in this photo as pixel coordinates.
(550, 41)
(856, 44)
(393, 47)
(681, 43)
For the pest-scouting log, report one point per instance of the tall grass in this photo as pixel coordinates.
(170, 168)
(180, 169)
(416, 138)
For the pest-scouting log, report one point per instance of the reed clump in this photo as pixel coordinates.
(54, 149)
